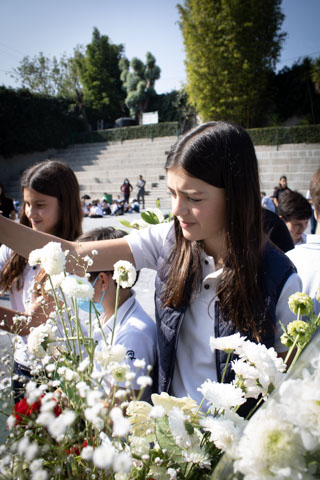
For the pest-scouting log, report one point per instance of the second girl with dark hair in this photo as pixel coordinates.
(216, 271)
(51, 204)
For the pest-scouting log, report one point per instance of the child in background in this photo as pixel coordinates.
(134, 328)
(51, 204)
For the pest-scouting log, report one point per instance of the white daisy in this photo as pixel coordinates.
(124, 274)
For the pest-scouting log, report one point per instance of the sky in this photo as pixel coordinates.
(30, 26)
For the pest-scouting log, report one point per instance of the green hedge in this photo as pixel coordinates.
(281, 135)
(33, 122)
(166, 129)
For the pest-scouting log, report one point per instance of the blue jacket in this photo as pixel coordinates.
(274, 272)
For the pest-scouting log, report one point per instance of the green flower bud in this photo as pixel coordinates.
(300, 301)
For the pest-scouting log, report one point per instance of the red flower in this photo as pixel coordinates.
(23, 409)
(76, 449)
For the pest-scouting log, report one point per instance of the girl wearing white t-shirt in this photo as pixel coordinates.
(51, 204)
(216, 271)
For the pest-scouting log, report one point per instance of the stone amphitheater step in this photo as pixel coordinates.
(102, 167)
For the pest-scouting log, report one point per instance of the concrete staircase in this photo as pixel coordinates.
(102, 167)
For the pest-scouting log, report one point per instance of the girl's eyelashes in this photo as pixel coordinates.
(190, 199)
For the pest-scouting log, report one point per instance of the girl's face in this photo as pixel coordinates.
(200, 209)
(42, 211)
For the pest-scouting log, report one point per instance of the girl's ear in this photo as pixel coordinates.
(105, 280)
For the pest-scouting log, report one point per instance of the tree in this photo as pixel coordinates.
(35, 74)
(100, 75)
(315, 74)
(231, 46)
(138, 81)
(59, 78)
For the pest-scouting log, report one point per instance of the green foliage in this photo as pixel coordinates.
(281, 135)
(315, 74)
(100, 75)
(138, 82)
(46, 122)
(231, 45)
(165, 129)
(294, 93)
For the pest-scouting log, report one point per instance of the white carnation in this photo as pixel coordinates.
(110, 354)
(78, 287)
(124, 274)
(227, 344)
(51, 257)
(221, 395)
(41, 340)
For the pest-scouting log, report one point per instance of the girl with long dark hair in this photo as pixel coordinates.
(51, 204)
(217, 273)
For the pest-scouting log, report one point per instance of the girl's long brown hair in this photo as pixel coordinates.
(57, 179)
(222, 155)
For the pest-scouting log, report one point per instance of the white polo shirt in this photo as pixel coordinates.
(195, 362)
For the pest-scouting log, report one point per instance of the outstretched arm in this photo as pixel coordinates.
(23, 240)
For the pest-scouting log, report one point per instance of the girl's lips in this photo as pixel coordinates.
(185, 224)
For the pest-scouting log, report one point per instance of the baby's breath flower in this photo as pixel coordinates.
(124, 274)
(300, 303)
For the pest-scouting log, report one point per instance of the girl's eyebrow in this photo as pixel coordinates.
(186, 192)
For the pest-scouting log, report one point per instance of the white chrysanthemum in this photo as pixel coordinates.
(103, 456)
(78, 287)
(177, 422)
(227, 344)
(124, 274)
(41, 340)
(270, 447)
(51, 257)
(119, 372)
(223, 431)
(110, 354)
(122, 462)
(267, 363)
(221, 395)
(303, 396)
(55, 281)
(35, 257)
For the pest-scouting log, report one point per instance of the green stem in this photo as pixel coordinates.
(115, 312)
(293, 346)
(297, 355)
(225, 367)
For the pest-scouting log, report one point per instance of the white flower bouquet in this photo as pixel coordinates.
(69, 425)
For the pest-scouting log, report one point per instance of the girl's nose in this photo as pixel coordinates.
(179, 206)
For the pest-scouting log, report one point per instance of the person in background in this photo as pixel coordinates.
(313, 217)
(51, 204)
(267, 202)
(95, 210)
(134, 328)
(295, 211)
(276, 230)
(6, 205)
(126, 188)
(141, 190)
(282, 187)
(306, 257)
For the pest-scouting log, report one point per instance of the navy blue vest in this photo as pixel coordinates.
(274, 272)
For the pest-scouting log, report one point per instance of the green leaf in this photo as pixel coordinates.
(150, 217)
(125, 223)
(167, 442)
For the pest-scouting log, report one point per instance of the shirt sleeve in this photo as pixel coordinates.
(283, 313)
(5, 253)
(145, 244)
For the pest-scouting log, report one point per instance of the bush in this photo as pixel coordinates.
(166, 129)
(34, 123)
(281, 135)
